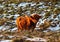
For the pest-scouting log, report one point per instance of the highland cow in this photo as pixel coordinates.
(27, 22)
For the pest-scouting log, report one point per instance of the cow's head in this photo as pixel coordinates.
(36, 16)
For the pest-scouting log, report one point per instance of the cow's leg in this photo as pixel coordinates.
(19, 28)
(32, 29)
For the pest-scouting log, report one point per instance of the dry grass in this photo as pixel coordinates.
(51, 36)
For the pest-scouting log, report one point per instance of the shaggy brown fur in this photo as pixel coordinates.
(26, 22)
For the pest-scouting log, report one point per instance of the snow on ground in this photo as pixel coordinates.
(16, 15)
(37, 39)
(54, 28)
(5, 40)
(22, 4)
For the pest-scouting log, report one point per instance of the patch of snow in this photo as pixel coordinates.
(22, 4)
(1, 6)
(32, 4)
(10, 36)
(12, 4)
(45, 30)
(16, 15)
(40, 7)
(54, 28)
(37, 28)
(41, 3)
(3, 28)
(43, 6)
(27, 12)
(57, 5)
(36, 39)
(5, 40)
(13, 29)
(10, 10)
(43, 13)
(58, 17)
